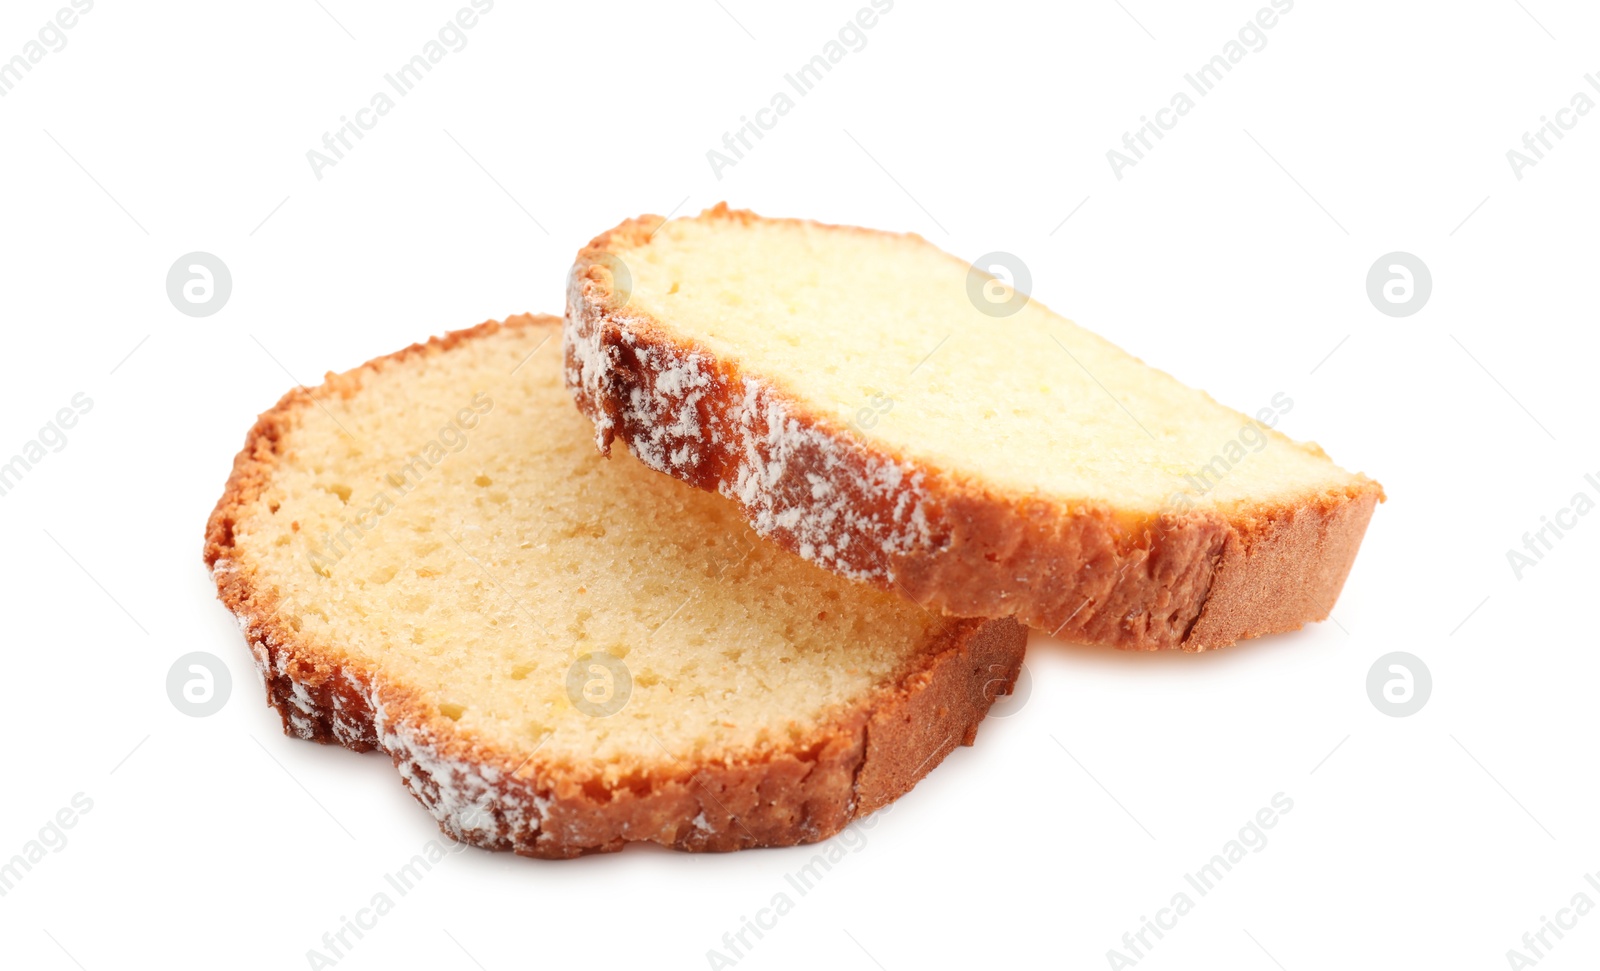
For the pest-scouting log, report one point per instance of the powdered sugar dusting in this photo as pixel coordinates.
(474, 802)
(466, 798)
(587, 360)
(474, 799)
(818, 490)
(811, 487)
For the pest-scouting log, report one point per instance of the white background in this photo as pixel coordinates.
(1234, 256)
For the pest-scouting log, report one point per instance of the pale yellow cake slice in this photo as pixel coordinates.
(884, 410)
(561, 654)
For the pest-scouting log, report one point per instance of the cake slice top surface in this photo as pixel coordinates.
(441, 518)
(878, 333)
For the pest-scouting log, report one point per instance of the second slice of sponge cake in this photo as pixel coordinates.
(886, 411)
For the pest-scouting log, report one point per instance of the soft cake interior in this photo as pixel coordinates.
(846, 319)
(447, 520)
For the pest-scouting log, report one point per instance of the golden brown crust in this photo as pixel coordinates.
(1196, 580)
(499, 800)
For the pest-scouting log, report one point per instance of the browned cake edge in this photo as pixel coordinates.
(488, 797)
(1193, 580)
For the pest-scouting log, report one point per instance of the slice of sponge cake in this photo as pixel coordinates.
(563, 655)
(884, 410)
